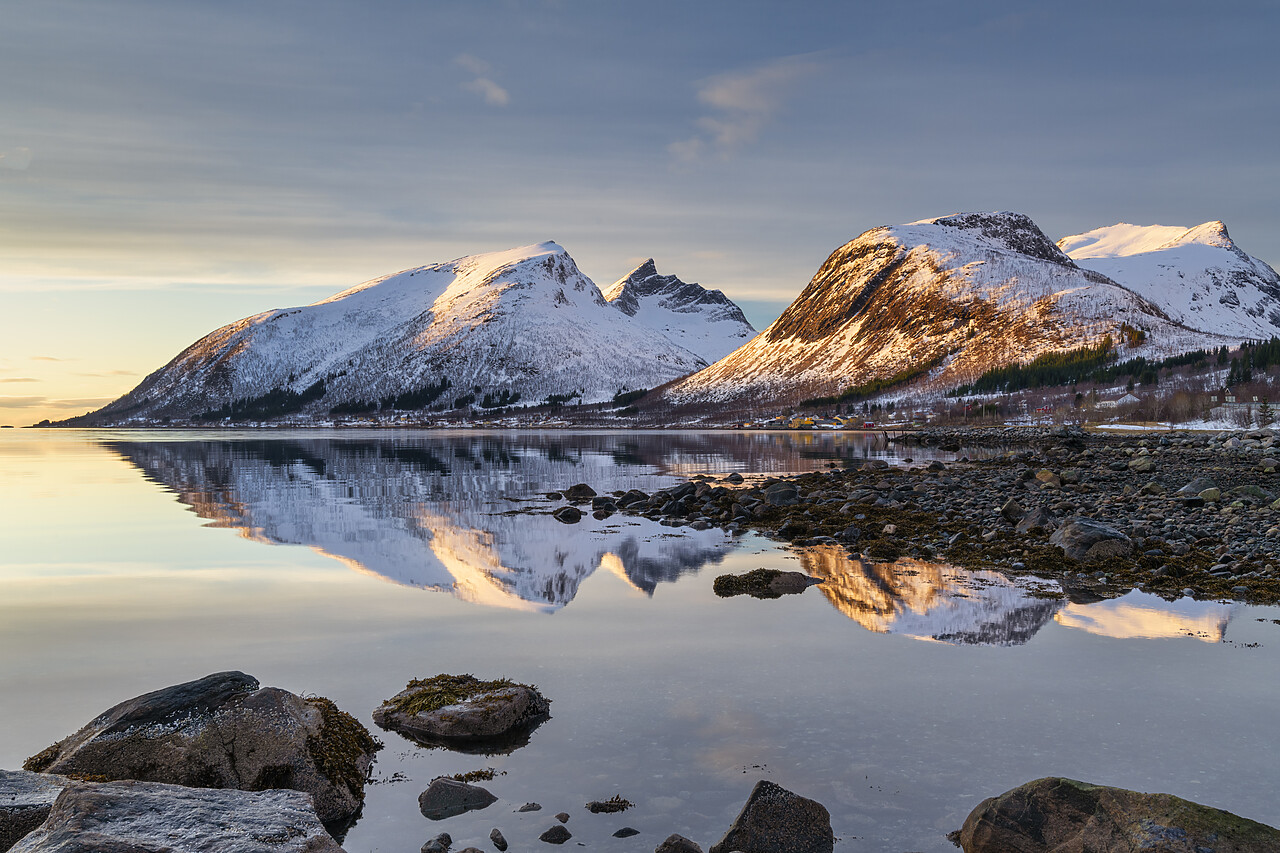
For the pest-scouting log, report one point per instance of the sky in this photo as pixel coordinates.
(168, 167)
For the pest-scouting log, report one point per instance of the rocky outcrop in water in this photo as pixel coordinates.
(462, 710)
(225, 731)
(775, 820)
(1055, 814)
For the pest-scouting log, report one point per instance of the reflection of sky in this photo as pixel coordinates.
(664, 700)
(1139, 614)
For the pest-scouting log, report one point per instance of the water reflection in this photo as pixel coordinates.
(938, 602)
(448, 515)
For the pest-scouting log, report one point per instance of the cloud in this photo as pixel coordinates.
(22, 402)
(489, 90)
(46, 358)
(483, 85)
(19, 379)
(742, 104)
(110, 373)
(16, 159)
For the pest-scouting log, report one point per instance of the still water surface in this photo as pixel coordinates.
(346, 564)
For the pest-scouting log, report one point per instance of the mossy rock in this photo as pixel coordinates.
(1063, 814)
(465, 713)
(763, 583)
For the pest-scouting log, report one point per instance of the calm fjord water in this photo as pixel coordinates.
(345, 564)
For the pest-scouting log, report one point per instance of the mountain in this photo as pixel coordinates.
(1197, 275)
(939, 302)
(521, 322)
(704, 321)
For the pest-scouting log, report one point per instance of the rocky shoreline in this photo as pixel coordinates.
(1185, 513)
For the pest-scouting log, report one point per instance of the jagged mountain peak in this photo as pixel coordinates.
(704, 321)
(1207, 234)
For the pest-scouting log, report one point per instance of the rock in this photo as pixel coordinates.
(440, 844)
(850, 534)
(446, 797)
(1012, 510)
(1252, 491)
(224, 731)
(1210, 495)
(1142, 464)
(530, 807)
(563, 817)
(1152, 488)
(935, 465)
(774, 820)
(1087, 540)
(1268, 465)
(1038, 517)
(25, 801)
(130, 817)
(610, 806)
(734, 478)
(626, 832)
(1196, 486)
(1048, 478)
(1055, 814)
(793, 529)
(567, 515)
(556, 835)
(579, 492)
(498, 839)
(675, 843)
(459, 709)
(763, 583)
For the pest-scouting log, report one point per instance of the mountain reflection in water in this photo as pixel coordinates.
(938, 602)
(438, 514)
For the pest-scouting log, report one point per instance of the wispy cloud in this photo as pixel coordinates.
(19, 379)
(15, 159)
(483, 84)
(108, 373)
(22, 402)
(46, 358)
(741, 105)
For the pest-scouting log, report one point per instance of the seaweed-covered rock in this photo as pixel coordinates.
(225, 731)
(1054, 814)
(447, 797)
(567, 515)
(25, 801)
(460, 709)
(763, 583)
(579, 492)
(774, 820)
(1086, 540)
(127, 817)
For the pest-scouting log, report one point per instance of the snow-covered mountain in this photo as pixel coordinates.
(704, 321)
(524, 321)
(1198, 276)
(938, 302)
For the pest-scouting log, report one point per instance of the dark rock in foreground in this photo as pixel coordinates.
(774, 820)
(1055, 814)
(448, 710)
(224, 731)
(448, 797)
(25, 801)
(763, 583)
(133, 817)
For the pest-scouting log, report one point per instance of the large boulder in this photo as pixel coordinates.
(763, 583)
(774, 820)
(147, 817)
(461, 710)
(1062, 815)
(225, 731)
(25, 801)
(1088, 541)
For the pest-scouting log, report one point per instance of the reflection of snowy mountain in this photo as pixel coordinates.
(434, 514)
(1143, 615)
(929, 600)
(937, 602)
